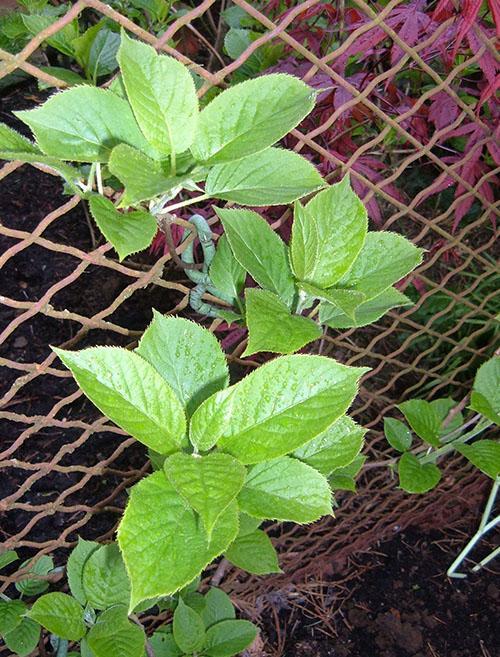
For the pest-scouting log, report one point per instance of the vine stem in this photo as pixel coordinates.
(450, 446)
(183, 204)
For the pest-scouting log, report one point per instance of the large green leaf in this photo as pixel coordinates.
(187, 356)
(131, 393)
(335, 448)
(142, 177)
(259, 250)
(416, 477)
(423, 419)
(23, 639)
(113, 635)
(485, 398)
(364, 314)
(273, 177)
(208, 483)
(74, 568)
(249, 117)
(163, 643)
(226, 273)
(254, 553)
(163, 543)
(229, 637)
(12, 142)
(485, 455)
(162, 94)
(272, 327)
(128, 232)
(60, 614)
(83, 124)
(285, 489)
(11, 615)
(336, 221)
(105, 579)
(189, 628)
(384, 260)
(275, 409)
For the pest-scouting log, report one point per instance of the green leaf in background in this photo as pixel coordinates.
(254, 553)
(415, 477)
(189, 629)
(8, 557)
(226, 273)
(275, 409)
(142, 177)
(272, 327)
(74, 568)
(163, 644)
(128, 232)
(96, 51)
(259, 250)
(443, 408)
(285, 489)
(237, 41)
(345, 478)
(12, 143)
(30, 585)
(113, 635)
(249, 117)
(83, 124)
(24, 638)
(423, 419)
(335, 448)
(208, 483)
(129, 391)
(194, 373)
(105, 579)
(229, 637)
(273, 177)
(337, 219)
(162, 94)
(11, 615)
(64, 74)
(364, 314)
(345, 301)
(60, 614)
(397, 434)
(218, 607)
(485, 397)
(62, 40)
(157, 532)
(484, 454)
(384, 260)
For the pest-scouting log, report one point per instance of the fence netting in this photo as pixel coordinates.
(426, 166)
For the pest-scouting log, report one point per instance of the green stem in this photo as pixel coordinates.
(183, 204)
(449, 447)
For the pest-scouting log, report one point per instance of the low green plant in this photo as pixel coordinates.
(441, 425)
(95, 614)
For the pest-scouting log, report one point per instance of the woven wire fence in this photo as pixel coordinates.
(65, 469)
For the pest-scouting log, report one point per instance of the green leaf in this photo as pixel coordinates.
(259, 250)
(194, 600)
(64, 74)
(248, 524)
(226, 273)
(249, 117)
(24, 638)
(485, 398)
(208, 483)
(397, 434)
(364, 314)
(163, 644)
(162, 94)
(277, 408)
(12, 143)
(189, 629)
(62, 40)
(484, 454)
(129, 391)
(373, 271)
(272, 327)
(443, 407)
(74, 568)
(157, 532)
(337, 221)
(229, 637)
(273, 177)
(8, 557)
(113, 635)
(60, 614)
(142, 177)
(344, 478)
(187, 356)
(127, 232)
(30, 585)
(345, 301)
(423, 419)
(285, 489)
(304, 243)
(254, 553)
(11, 615)
(415, 477)
(96, 51)
(218, 607)
(335, 448)
(105, 579)
(83, 124)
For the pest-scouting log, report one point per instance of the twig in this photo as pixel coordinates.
(166, 229)
(220, 572)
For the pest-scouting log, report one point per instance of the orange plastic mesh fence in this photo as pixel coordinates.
(65, 469)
